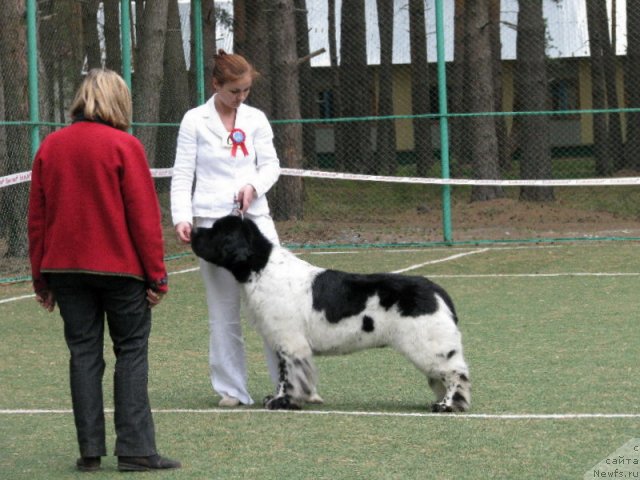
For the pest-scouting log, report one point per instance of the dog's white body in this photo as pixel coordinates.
(282, 294)
(302, 310)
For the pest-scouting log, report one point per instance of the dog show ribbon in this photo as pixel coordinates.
(237, 138)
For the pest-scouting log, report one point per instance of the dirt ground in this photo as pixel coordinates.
(501, 219)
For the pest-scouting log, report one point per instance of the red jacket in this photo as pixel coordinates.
(93, 207)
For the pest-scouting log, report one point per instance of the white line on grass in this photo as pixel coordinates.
(440, 260)
(462, 416)
(13, 299)
(188, 270)
(561, 274)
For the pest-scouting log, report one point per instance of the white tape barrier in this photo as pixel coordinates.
(293, 172)
(15, 178)
(462, 181)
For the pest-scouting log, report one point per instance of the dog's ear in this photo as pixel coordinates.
(259, 246)
(220, 245)
(210, 244)
(204, 245)
(232, 243)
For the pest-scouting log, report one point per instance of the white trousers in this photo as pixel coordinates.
(227, 358)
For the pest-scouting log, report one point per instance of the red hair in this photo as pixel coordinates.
(229, 67)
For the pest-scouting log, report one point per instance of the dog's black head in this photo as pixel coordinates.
(233, 243)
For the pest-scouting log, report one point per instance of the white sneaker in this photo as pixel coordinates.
(228, 402)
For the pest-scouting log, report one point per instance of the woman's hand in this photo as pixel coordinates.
(154, 298)
(46, 300)
(246, 196)
(183, 230)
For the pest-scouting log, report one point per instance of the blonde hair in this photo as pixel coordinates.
(104, 95)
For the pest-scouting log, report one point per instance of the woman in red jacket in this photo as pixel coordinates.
(96, 248)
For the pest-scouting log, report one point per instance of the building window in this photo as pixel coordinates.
(325, 104)
(564, 95)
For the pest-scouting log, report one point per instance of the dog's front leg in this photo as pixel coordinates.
(297, 382)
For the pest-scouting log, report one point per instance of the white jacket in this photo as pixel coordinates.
(204, 155)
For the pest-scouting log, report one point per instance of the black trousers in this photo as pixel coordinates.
(84, 299)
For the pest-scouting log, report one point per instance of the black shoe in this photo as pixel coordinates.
(88, 464)
(144, 464)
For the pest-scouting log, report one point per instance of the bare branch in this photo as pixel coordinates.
(306, 58)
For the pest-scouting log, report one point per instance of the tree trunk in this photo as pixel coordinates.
(46, 31)
(112, 34)
(240, 25)
(174, 101)
(149, 74)
(601, 147)
(609, 69)
(13, 58)
(287, 197)
(460, 152)
(3, 154)
(90, 31)
(354, 138)
(482, 130)
(137, 33)
(531, 91)
(501, 125)
(61, 30)
(632, 80)
(387, 162)
(209, 41)
(210, 16)
(420, 101)
(338, 153)
(259, 51)
(307, 90)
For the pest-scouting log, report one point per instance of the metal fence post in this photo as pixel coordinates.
(32, 60)
(444, 123)
(198, 45)
(125, 39)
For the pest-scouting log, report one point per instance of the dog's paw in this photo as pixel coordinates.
(315, 399)
(440, 407)
(279, 403)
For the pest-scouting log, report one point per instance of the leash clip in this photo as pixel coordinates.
(237, 208)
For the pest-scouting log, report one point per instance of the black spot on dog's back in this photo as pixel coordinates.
(341, 295)
(367, 324)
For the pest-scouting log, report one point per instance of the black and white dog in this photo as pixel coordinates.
(302, 310)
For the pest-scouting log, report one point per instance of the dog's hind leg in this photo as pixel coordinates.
(297, 383)
(457, 396)
(451, 385)
(448, 377)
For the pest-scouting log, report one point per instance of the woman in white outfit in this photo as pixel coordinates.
(226, 147)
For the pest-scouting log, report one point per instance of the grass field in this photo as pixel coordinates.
(551, 335)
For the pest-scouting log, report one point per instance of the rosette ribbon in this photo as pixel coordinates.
(238, 137)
